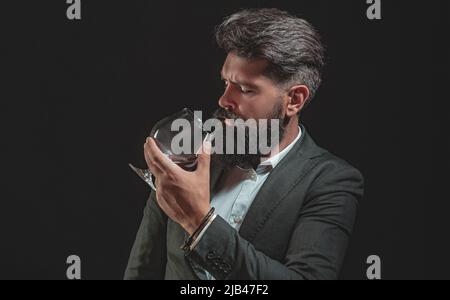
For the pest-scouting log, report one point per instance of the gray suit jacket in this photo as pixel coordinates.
(298, 226)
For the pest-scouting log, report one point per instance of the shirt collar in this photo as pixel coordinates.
(273, 161)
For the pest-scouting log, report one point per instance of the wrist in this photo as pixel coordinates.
(196, 221)
(194, 232)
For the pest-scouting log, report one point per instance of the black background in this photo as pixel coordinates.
(79, 98)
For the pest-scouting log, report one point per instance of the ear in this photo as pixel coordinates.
(297, 97)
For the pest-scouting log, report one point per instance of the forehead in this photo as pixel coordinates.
(236, 66)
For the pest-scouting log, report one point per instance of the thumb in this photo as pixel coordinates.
(204, 157)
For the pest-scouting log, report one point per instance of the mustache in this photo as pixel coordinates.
(222, 113)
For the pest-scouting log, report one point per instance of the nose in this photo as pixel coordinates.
(226, 102)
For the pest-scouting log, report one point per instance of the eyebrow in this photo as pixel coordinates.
(243, 83)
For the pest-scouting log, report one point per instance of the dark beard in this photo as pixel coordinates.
(247, 160)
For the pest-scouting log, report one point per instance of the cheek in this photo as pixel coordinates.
(252, 109)
(259, 106)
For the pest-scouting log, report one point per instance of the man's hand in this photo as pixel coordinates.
(184, 196)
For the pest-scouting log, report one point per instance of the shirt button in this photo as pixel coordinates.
(237, 219)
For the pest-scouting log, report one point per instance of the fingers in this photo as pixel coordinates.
(204, 158)
(159, 163)
(156, 169)
(156, 181)
(161, 160)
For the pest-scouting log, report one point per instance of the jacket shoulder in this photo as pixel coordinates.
(330, 170)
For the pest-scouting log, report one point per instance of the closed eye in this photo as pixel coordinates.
(241, 89)
(244, 91)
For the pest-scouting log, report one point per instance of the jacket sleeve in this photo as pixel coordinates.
(317, 245)
(148, 255)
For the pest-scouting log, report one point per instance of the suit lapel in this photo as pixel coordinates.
(217, 170)
(286, 175)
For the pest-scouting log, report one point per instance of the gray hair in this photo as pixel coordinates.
(290, 44)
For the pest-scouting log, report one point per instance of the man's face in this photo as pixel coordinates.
(249, 94)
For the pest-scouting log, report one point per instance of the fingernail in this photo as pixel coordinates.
(207, 147)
